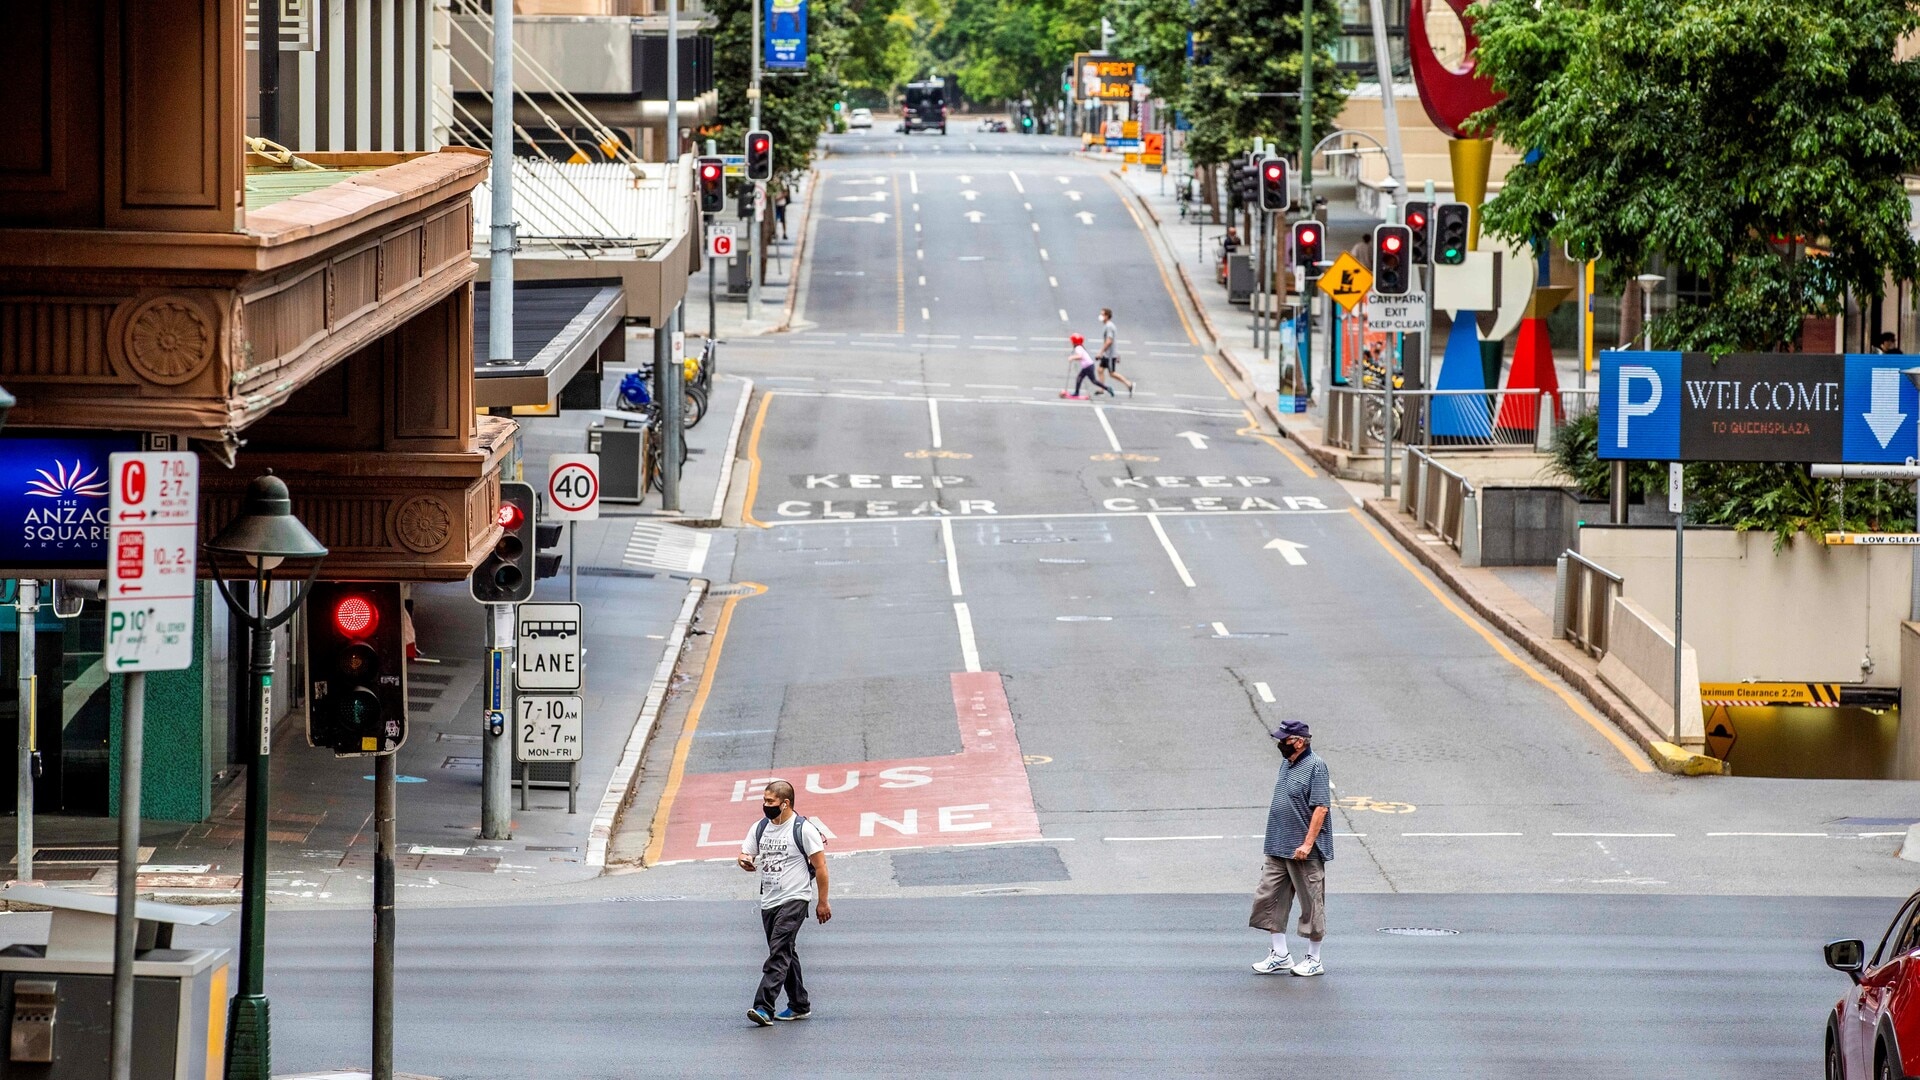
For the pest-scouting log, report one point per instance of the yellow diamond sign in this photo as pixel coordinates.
(1346, 281)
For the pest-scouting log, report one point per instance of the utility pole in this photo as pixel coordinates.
(673, 79)
(1306, 107)
(384, 783)
(753, 101)
(1383, 64)
(25, 604)
(496, 764)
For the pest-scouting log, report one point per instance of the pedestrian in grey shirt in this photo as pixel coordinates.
(1298, 847)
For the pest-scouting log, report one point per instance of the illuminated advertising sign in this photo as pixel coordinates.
(53, 501)
(786, 35)
(1101, 78)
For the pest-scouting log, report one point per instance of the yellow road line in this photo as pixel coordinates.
(899, 262)
(1252, 430)
(657, 842)
(1607, 731)
(753, 461)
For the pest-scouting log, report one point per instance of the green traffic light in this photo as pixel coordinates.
(1451, 252)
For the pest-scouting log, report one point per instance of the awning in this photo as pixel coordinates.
(557, 327)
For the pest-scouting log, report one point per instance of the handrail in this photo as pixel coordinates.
(1584, 592)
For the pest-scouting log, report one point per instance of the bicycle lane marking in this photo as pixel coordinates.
(980, 795)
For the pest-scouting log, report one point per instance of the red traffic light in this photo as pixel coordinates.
(1273, 172)
(1391, 243)
(1418, 221)
(709, 172)
(1308, 236)
(760, 146)
(510, 516)
(355, 617)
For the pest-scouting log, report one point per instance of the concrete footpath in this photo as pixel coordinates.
(1516, 601)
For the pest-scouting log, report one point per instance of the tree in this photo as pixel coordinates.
(1013, 49)
(796, 107)
(1248, 47)
(1759, 145)
(890, 43)
(1153, 34)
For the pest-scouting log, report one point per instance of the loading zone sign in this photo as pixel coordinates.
(547, 647)
(1406, 313)
(1819, 408)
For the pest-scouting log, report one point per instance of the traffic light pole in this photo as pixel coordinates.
(496, 764)
(753, 100)
(707, 221)
(384, 783)
(25, 604)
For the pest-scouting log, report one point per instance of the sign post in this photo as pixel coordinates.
(573, 495)
(26, 603)
(549, 676)
(152, 542)
(1677, 503)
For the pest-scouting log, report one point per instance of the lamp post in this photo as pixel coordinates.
(1647, 284)
(265, 535)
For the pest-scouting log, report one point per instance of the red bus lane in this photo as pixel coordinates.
(979, 795)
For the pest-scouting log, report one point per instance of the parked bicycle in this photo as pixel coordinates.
(636, 393)
(1373, 375)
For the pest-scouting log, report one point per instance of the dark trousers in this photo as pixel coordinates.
(782, 969)
(1088, 374)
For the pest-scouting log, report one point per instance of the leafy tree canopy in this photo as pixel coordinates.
(795, 108)
(1248, 47)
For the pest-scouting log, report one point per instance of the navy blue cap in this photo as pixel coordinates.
(1292, 729)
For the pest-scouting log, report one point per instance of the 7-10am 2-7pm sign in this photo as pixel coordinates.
(153, 538)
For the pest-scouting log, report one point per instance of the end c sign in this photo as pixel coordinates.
(1640, 406)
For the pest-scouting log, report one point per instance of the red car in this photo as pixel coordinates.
(1875, 1029)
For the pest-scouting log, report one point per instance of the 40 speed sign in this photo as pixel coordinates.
(573, 487)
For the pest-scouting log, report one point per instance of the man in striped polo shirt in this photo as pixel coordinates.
(1299, 844)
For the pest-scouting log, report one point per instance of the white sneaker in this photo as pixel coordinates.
(1309, 966)
(1274, 964)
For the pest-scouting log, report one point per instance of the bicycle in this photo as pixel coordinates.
(650, 450)
(1373, 372)
(635, 395)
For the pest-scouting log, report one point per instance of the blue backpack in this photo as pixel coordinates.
(799, 841)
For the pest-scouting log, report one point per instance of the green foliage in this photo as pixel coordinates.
(1153, 33)
(1244, 47)
(795, 108)
(891, 44)
(1781, 499)
(1010, 49)
(1703, 131)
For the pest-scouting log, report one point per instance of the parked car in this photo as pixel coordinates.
(1874, 1030)
(860, 118)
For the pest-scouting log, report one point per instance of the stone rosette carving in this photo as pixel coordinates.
(423, 523)
(168, 340)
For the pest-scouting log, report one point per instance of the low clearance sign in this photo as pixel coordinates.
(1821, 408)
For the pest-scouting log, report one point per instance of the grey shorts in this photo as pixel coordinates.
(1281, 880)
(1109, 363)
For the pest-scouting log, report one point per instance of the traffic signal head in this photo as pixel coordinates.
(356, 667)
(1420, 225)
(711, 174)
(1450, 220)
(1392, 253)
(506, 575)
(1273, 185)
(1309, 240)
(546, 563)
(1026, 121)
(759, 155)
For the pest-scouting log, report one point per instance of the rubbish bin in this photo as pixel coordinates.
(57, 998)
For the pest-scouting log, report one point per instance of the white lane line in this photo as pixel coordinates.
(889, 333)
(1462, 834)
(953, 561)
(995, 337)
(1220, 630)
(1105, 425)
(1053, 281)
(933, 420)
(1175, 344)
(1063, 314)
(923, 281)
(1029, 206)
(1618, 834)
(1036, 225)
(1017, 185)
(1819, 834)
(968, 651)
(916, 226)
(1265, 692)
(874, 382)
(1043, 254)
(919, 254)
(725, 734)
(782, 378)
(925, 314)
(1146, 839)
(1167, 543)
(1864, 835)
(990, 386)
(916, 208)
(913, 182)
(898, 520)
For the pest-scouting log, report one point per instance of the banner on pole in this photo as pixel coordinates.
(786, 35)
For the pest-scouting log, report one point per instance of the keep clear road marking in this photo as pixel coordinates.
(961, 616)
(1017, 185)
(953, 562)
(1265, 692)
(1607, 731)
(1167, 543)
(933, 420)
(1289, 550)
(1105, 425)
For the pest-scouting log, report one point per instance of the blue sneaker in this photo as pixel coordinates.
(789, 1014)
(759, 1016)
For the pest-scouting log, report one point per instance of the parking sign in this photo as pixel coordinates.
(153, 538)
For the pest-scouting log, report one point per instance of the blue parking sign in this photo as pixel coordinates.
(1640, 395)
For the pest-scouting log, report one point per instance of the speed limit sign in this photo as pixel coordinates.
(573, 487)
(720, 241)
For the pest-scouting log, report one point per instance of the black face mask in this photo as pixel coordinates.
(771, 811)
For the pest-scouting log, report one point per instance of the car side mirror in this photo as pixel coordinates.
(1848, 956)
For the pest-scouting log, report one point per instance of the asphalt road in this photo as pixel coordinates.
(1532, 986)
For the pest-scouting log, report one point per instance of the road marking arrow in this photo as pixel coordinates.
(1194, 438)
(966, 179)
(1085, 218)
(974, 216)
(969, 194)
(1063, 179)
(875, 196)
(878, 217)
(1885, 416)
(1074, 195)
(1289, 551)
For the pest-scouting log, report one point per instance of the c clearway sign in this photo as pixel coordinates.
(1790, 407)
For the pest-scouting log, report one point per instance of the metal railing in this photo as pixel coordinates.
(1437, 497)
(1583, 601)
(1466, 419)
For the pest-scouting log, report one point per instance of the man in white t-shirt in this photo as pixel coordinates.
(790, 854)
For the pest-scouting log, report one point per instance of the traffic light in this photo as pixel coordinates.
(713, 184)
(1026, 120)
(356, 667)
(1450, 233)
(506, 575)
(546, 563)
(1392, 248)
(759, 155)
(1420, 224)
(1245, 180)
(1273, 185)
(1308, 242)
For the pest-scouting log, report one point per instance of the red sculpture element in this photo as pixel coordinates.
(1449, 94)
(1532, 370)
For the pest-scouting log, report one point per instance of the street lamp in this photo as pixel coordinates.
(1647, 283)
(265, 535)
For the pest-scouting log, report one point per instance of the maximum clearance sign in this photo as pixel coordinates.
(1789, 407)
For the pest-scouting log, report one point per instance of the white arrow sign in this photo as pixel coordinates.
(974, 216)
(878, 217)
(872, 196)
(1194, 438)
(858, 183)
(1085, 218)
(1063, 179)
(969, 194)
(1885, 416)
(1074, 195)
(1289, 551)
(965, 179)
